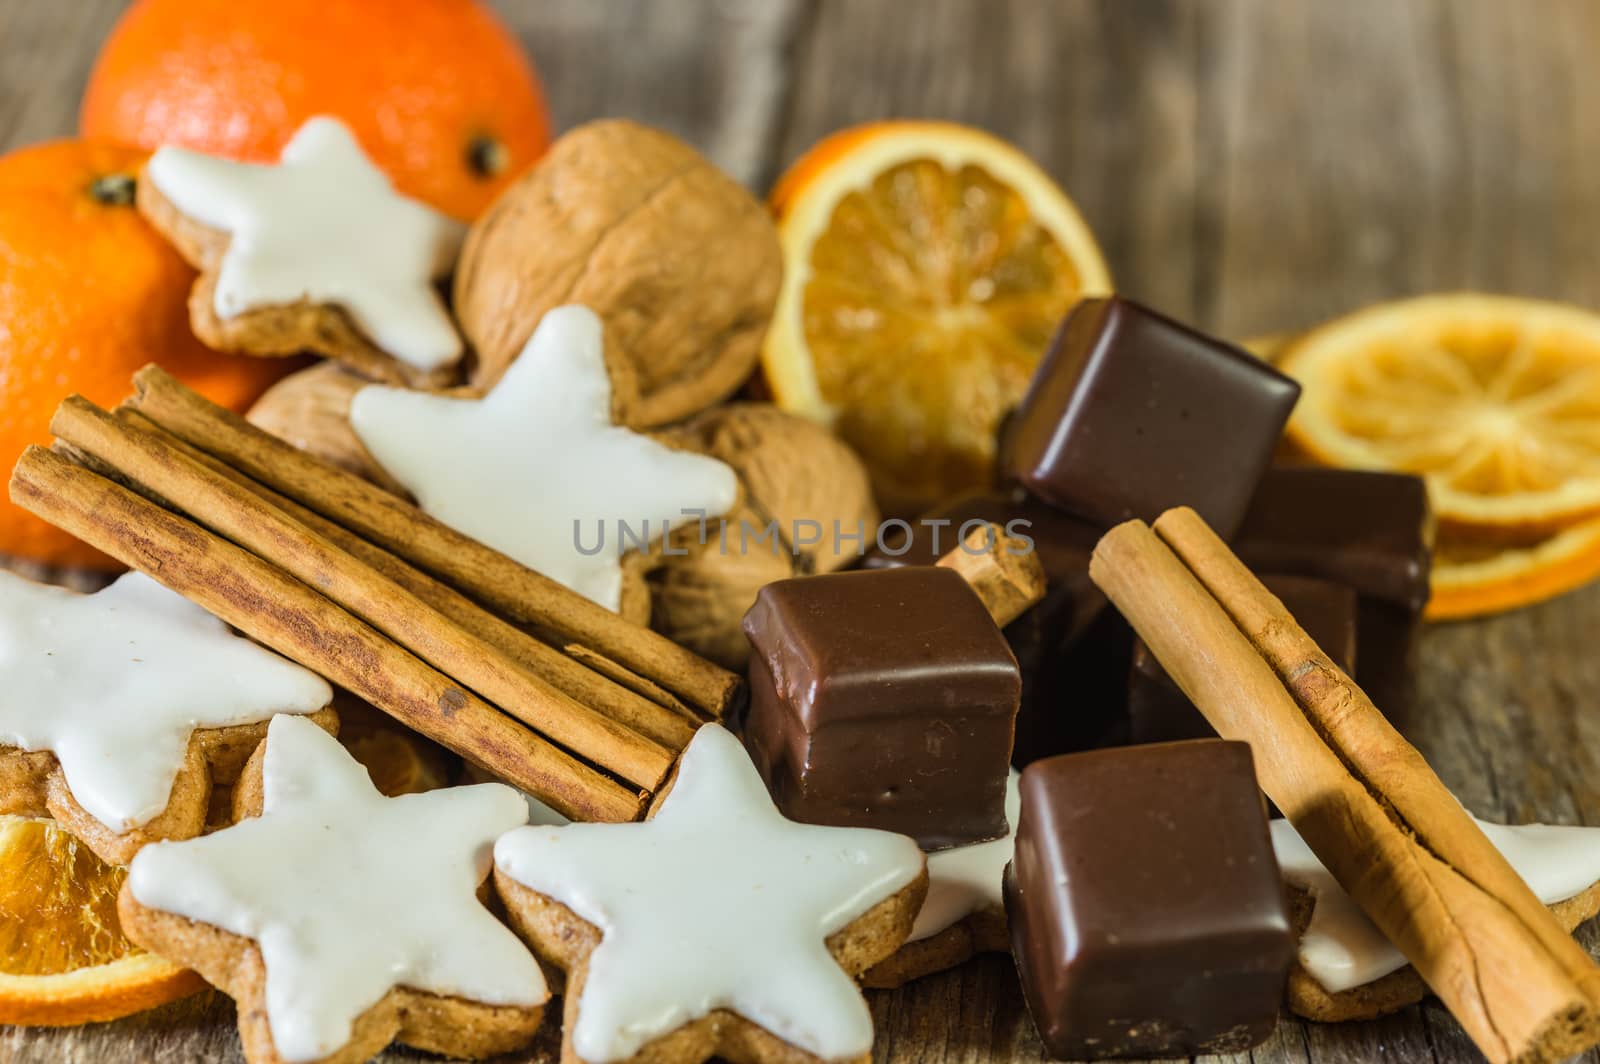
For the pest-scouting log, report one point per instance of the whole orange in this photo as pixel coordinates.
(439, 93)
(88, 294)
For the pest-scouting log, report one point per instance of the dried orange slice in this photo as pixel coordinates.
(63, 959)
(1494, 399)
(926, 266)
(1475, 579)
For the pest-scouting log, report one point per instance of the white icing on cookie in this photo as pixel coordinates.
(537, 460)
(324, 226)
(716, 903)
(1342, 949)
(349, 894)
(965, 879)
(114, 683)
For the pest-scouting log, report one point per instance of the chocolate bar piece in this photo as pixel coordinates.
(883, 699)
(1146, 911)
(1131, 414)
(1159, 712)
(1067, 651)
(1371, 531)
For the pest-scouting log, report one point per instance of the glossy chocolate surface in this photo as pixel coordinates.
(1071, 685)
(1159, 712)
(1372, 531)
(1131, 414)
(1147, 915)
(883, 699)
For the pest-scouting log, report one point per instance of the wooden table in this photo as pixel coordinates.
(1249, 165)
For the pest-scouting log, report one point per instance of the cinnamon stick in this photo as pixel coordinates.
(149, 462)
(1007, 576)
(279, 611)
(1516, 989)
(511, 589)
(1372, 749)
(665, 722)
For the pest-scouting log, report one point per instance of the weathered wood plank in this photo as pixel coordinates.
(45, 53)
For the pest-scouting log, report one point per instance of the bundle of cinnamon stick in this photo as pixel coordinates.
(1362, 797)
(510, 669)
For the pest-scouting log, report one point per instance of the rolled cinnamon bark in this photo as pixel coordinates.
(1009, 579)
(665, 724)
(279, 611)
(1515, 986)
(150, 462)
(511, 589)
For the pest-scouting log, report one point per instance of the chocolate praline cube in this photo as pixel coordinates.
(1371, 531)
(1071, 652)
(1158, 711)
(883, 699)
(1130, 414)
(1147, 914)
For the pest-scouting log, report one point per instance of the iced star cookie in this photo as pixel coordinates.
(121, 710)
(1348, 970)
(552, 478)
(315, 253)
(964, 914)
(715, 928)
(341, 920)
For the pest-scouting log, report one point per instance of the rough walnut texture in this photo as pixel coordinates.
(679, 260)
(311, 409)
(791, 471)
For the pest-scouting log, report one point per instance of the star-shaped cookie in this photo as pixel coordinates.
(339, 919)
(316, 252)
(715, 927)
(120, 709)
(536, 469)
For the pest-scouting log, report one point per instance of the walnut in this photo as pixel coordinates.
(796, 477)
(311, 409)
(679, 260)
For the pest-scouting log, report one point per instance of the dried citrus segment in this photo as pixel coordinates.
(926, 267)
(1475, 579)
(63, 958)
(1495, 400)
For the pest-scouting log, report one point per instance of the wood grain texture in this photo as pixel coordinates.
(1253, 165)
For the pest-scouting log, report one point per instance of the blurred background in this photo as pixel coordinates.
(1250, 165)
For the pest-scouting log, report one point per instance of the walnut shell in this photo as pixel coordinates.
(679, 260)
(311, 409)
(698, 599)
(794, 471)
(790, 470)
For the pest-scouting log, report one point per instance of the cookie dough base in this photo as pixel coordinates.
(32, 784)
(982, 932)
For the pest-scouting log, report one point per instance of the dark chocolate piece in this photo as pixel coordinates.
(1131, 414)
(1159, 712)
(1372, 531)
(1386, 652)
(1146, 910)
(1071, 686)
(883, 699)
